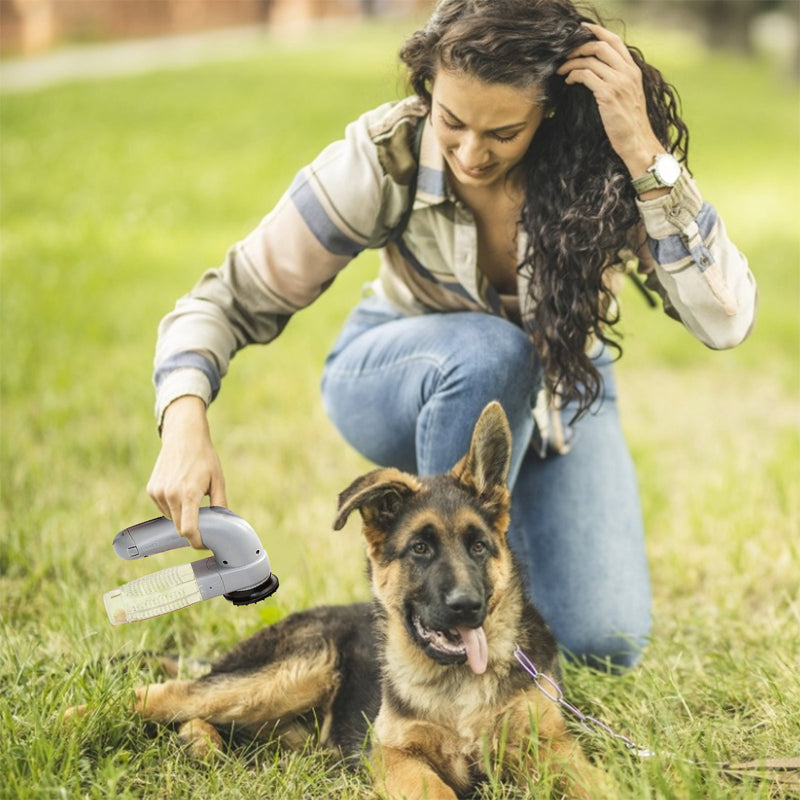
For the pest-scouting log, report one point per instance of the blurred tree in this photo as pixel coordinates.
(727, 23)
(732, 24)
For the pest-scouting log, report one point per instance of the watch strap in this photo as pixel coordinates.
(647, 182)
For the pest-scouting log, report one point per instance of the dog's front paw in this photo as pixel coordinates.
(424, 791)
(201, 738)
(400, 776)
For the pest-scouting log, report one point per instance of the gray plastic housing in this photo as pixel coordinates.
(239, 561)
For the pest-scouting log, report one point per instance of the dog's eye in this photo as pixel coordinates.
(420, 548)
(478, 548)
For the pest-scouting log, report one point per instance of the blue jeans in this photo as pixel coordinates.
(406, 392)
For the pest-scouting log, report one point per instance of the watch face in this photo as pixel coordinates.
(667, 170)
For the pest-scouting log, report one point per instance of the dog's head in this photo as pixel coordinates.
(437, 547)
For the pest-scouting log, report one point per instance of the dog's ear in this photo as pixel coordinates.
(379, 496)
(484, 469)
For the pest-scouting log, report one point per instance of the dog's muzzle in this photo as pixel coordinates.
(453, 646)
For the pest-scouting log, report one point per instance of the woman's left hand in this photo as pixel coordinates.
(606, 68)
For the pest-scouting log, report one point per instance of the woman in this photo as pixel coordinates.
(538, 153)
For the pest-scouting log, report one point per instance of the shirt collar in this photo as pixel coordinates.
(432, 188)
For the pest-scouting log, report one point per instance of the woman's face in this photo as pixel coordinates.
(483, 129)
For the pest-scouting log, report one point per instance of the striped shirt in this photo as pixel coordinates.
(355, 195)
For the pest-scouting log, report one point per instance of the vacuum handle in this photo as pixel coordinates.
(232, 540)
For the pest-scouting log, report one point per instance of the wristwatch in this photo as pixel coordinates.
(664, 172)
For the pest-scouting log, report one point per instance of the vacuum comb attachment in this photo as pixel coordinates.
(239, 569)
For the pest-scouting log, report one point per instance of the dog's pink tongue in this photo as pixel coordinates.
(477, 648)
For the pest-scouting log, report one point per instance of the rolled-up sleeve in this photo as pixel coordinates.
(703, 278)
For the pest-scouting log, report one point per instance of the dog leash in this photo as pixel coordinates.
(785, 771)
(550, 689)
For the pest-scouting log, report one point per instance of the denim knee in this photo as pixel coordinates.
(495, 359)
(406, 391)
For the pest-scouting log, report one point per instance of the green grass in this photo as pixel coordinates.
(115, 195)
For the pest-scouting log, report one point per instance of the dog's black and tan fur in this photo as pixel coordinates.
(427, 669)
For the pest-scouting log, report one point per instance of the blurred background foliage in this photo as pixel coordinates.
(30, 26)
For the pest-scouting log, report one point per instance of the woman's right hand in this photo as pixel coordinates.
(187, 468)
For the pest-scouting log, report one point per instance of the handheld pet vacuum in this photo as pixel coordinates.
(239, 570)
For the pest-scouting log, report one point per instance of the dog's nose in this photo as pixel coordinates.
(465, 604)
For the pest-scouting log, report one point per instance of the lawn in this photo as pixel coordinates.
(116, 194)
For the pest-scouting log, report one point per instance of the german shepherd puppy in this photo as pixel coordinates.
(427, 669)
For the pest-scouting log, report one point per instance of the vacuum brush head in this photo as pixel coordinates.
(245, 597)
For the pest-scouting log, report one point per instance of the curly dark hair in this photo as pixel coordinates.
(579, 209)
